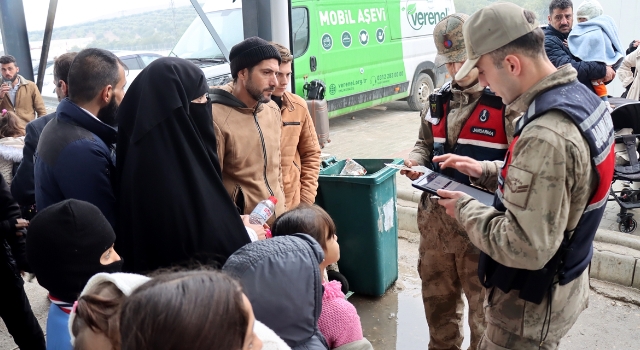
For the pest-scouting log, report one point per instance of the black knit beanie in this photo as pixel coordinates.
(64, 244)
(249, 53)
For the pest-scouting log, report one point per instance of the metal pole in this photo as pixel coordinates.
(292, 85)
(210, 28)
(257, 19)
(14, 35)
(46, 42)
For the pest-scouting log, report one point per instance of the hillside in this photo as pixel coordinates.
(160, 29)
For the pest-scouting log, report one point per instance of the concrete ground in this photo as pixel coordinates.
(396, 320)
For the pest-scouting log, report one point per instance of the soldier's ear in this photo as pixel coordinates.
(512, 64)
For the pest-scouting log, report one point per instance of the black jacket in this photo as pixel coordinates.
(22, 187)
(560, 55)
(12, 253)
(75, 158)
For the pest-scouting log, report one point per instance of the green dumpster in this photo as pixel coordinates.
(364, 211)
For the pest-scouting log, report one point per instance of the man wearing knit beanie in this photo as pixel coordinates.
(248, 127)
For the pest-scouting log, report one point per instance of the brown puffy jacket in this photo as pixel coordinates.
(300, 152)
(248, 149)
(28, 101)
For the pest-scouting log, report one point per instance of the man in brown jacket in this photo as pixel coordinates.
(18, 94)
(299, 148)
(248, 127)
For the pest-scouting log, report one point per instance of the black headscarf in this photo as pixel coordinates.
(172, 206)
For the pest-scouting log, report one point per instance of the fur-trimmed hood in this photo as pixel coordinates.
(11, 148)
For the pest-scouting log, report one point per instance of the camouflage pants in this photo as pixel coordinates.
(448, 266)
(513, 323)
(496, 338)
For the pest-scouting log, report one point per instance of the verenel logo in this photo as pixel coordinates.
(417, 19)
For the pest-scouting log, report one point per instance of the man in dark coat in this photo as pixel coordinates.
(75, 157)
(22, 187)
(15, 309)
(555, 44)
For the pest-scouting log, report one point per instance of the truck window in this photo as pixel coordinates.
(196, 42)
(300, 29)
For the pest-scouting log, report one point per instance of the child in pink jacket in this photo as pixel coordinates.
(339, 321)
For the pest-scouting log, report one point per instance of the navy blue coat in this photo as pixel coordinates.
(75, 158)
(560, 55)
(22, 187)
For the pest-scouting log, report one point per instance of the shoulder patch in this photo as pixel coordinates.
(517, 186)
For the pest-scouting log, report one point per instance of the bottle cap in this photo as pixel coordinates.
(273, 199)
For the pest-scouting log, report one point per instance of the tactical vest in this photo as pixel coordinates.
(593, 120)
(482, 137)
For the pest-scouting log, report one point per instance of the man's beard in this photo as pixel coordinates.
(258, 94)
(11, 79)
(107, 114)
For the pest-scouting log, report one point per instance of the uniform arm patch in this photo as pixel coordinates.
(517, 186)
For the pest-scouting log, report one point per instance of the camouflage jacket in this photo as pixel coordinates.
(552, 160)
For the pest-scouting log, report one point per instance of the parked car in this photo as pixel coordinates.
(135, 62)
(36, 65)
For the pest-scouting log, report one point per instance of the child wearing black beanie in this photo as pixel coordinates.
(67, 243)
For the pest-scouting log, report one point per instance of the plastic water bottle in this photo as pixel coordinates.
(263, 211)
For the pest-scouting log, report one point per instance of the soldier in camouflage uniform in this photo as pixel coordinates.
(551, 188)
(448, 262)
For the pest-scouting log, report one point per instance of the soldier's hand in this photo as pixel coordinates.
(448, 200)
(410, 174)
(465, 165)
(4, 88)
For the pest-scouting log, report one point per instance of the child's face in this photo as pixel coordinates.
(332, 252)
(109, 256)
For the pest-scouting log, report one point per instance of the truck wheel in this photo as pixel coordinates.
(420, 92)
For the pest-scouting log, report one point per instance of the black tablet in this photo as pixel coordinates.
(432, 181)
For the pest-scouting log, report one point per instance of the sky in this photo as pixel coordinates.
(71, 12)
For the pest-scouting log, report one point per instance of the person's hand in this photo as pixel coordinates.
(261, 231)
(448, 200)
(565, 42)
(465, 165)
(610, 74)
(410, 174)
(22, 223)
(4, 88)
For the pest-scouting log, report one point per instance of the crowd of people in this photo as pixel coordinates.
(132, 210)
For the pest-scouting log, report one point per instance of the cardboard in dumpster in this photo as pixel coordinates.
(351, 167)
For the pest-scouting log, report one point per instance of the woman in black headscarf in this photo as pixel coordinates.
(172, 206)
